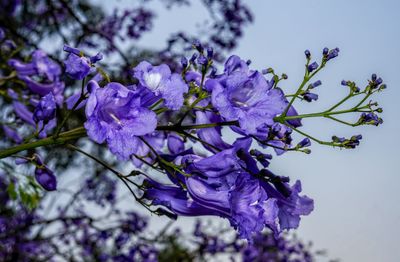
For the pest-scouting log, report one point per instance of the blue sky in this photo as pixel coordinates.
(356, 192)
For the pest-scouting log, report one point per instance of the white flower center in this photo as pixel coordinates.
(115, 119)
(153, 80)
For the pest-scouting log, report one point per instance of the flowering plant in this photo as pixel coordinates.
(198, 137)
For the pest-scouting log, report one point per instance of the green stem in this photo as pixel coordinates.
(179, 128)
(200, 98)
(79, 132)
(341, 121)
(340, 102)
(60, 140)
(298, 92)
(313, 138)
(101, 162)
(321, 114)
(81, 98)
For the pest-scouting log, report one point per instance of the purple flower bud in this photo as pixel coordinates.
(370, 119)
(72, 50)
(332, 54)
(198, 46)
(184, 62)
(210, 52)
(325, 51)
(12, 134)
(353, 142)
(276, 128)
(379, 81)
(21, 161)
(193, 58)
(202, 60)
(46, 109)
(304, 143)
(373, 77)
(312, 66)
(316, 84)
(213, 72)
(344, 83)
(46, 178)
(92, 86)
(96, 58)
(8, 45)
(261, 157)
(307, 53)
(309, 97)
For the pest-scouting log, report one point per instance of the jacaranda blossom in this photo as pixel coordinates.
(41, 75)
(245, 95)
(115, 115)
(44, 176)
(78, 66)
(229, 184)
(162, 82)
(45, 109)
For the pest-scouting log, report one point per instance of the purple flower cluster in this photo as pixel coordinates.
(230, 185)
(157, 120)
(41, 75)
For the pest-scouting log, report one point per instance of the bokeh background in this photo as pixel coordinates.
(356, 192)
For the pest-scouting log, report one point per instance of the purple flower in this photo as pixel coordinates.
(23, 112)
(231, 191)
(212, 135)
(291, 208)
(40, 65)
(175, 199)
(246, 96)
(12, 134)
(175, 143)
(41, 75)
(46, 109)
(294, 122)
(78, 66)
(115, 114)
(162, 82)
(46, 178)
(228, 184)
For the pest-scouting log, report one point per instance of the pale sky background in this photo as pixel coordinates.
(356, 192)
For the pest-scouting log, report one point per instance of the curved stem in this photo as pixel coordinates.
(60, 140)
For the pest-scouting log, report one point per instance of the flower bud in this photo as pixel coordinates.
(307, 53)
(311, 67)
